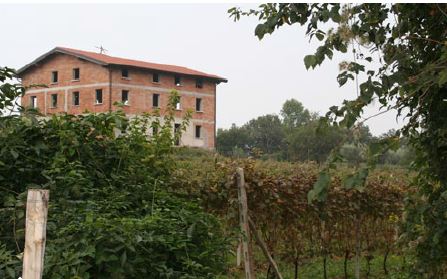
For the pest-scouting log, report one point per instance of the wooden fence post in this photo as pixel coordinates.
(35, 234)
(264, 248)
(243, 220)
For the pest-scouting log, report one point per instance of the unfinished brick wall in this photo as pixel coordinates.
(139, 84)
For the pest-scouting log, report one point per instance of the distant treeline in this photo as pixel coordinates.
(296, 135)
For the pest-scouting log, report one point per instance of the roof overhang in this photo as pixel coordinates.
(53, 51)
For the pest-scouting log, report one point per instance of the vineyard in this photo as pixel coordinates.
(353, 228)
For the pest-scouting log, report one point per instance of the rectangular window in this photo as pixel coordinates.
(33, 101)
(155, 100)
(76, 98)
(178, 105)
(98, 99)
(155, 77)
(125, 73)
(53, 100)
(198, 131)
(76, 74)
(177, 130)
(177, 80)
(54, 76)
(199, 83)
(125, 97)
(198, 104)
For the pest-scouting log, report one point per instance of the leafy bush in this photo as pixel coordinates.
(109, 214)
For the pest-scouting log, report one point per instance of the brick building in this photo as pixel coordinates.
(80, 81)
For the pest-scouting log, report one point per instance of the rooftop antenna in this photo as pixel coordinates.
(102, 50)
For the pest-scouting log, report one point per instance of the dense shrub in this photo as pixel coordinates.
(109, 214)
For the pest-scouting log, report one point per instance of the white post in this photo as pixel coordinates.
(35, 233)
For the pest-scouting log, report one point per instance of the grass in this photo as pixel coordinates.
(335, 270)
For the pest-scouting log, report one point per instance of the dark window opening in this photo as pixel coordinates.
(53, 100)
(125, 97)
(198, 104)
(155, 100)
(199, 83)
(177, 80)
(198, 131)
(33, 101)
(76, 74)
(155, 77)
(125, 73)
(54, 77)
(154, 130)
(176, 134)
(98, 99)
(76, 98)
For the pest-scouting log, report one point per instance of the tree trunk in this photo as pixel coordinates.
(325, 265)
(357, 249)
(296, 266)
(385, 257)
(345, 264)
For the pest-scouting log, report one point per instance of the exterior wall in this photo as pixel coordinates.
(139, 84)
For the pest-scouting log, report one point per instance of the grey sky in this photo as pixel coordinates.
(262, 74)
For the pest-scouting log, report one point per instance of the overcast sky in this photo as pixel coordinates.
(261, 74)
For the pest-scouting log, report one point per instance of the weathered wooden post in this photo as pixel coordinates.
(264, 248)
(35, 234)
(243, 220)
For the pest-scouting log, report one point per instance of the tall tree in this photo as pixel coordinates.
(308, 143)
(232, 140)
(408, 41)
(266, 133)
(294, 114)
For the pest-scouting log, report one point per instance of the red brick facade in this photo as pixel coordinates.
(108, 78)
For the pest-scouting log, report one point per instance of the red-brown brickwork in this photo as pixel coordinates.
(98, 75)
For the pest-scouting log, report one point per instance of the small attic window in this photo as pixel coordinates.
(177, 80)
(155, 77)
(125, 73)
(199, 82)
(54, 77)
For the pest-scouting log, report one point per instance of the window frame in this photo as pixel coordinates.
(53, 103)
(73, 98)
(179, 79)
(96, 96)
(157, 97)
(125, 76)
(157, 79)
(199, 83)
(33, 101)
(198, 128)
(125, 92)
(177, 127)
(74, 71)
(199, 106)
(178, 105)
(54, 77)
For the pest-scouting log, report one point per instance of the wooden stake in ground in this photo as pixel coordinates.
(264, 248)
(243, 220)
(35, 234)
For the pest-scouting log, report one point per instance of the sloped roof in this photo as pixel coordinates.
(103, 59)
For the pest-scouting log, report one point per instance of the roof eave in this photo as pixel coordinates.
(57, 50)
(216, 78)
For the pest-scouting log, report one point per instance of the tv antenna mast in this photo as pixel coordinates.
(101, 50)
